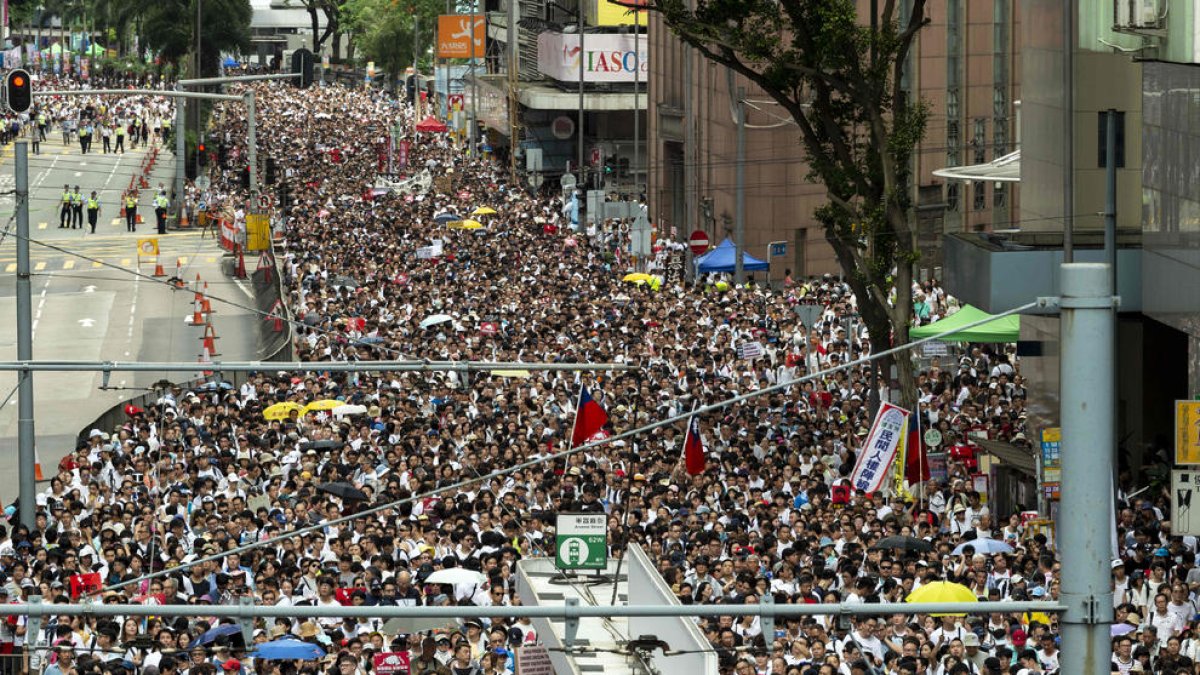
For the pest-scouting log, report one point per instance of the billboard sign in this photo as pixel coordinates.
(455, 36)
(609, 13)
(609, 58)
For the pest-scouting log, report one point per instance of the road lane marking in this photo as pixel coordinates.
(39, 267)
(11, 267)
(69, 265)
(125, 262)
(42, 226)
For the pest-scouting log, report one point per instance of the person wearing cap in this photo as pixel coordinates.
(231, 666)
(426, 663)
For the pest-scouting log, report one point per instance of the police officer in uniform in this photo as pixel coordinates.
(93, 209)
(120, 130)
(160, 210)
(131, 203)
(76, 209)
(64, 212)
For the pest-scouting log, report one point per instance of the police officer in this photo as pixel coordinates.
(93, 209)
(64, 211)
(160, 210)
(120, 137)
(41, 125)
(76, 209)
(131, 203)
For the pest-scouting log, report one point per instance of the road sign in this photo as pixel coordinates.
(1185, 502)
(698, 241)
(777, 249)
(933, 438)
(147, 247)
(597, 156)
(1187, 432)
(581, 541)
(264, 201)
(258, 232)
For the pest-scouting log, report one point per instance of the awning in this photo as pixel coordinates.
(1019, 458)
(1006, 169)
(540, 97)
(1003, 329)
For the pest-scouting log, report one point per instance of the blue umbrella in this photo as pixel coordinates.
(212, 634)
(229, 62)
(443, 218)
(984, 545)
(287, 649)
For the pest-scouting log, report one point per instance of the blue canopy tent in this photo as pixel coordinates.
(721, 259)
(230, 62)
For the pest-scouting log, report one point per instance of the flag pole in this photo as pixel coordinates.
(575, 423)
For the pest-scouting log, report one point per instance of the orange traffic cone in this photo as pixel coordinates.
(204, 300)
(139, 219)
(206, 359)
(209, 339)
(158, 269)
(197, 315)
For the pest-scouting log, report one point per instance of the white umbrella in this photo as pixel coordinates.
(984, 545)
(343, 410)
(456, 575)
(435, 319)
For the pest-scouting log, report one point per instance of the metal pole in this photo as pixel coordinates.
(416, 85)
(251, 142)
(180, 153)
(514, 67)
(1068, 135)
(26, 452)
(140, 92)
(1087, 467)
(202, 81)
(739, 198)
(308, 366)
(1110, 198)
(637, 85)
(579, 19)
(474, 122)
(541, 611)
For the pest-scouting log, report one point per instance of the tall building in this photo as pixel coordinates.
(1137, 59)
(963, 65)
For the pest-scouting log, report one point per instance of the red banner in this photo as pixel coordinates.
(391, 663)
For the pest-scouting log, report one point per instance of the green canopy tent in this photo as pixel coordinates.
(1004, 329)
(95, 50)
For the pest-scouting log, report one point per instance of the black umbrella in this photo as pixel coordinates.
(320, 445)
(343, 490)
(905, 543)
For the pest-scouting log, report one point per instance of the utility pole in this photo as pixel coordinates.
(579, 19)
(251, 141)
(1088, 444)
(26, 452)
(473, 126)
(514, 64)
(739, 200)
(180, 153)
(1110, 197)
(637, 112)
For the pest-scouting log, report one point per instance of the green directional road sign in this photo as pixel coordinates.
(581, 541)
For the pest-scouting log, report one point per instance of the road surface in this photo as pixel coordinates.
(88, 304)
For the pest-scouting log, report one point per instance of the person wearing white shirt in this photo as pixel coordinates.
(1163, 619)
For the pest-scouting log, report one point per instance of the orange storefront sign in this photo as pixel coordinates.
(455, 36)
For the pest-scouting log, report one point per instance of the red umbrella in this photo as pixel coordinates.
(432, 125)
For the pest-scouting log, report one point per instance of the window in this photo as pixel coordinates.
(1102, 139)
(999, 195)
(952, 196)
(979, 195)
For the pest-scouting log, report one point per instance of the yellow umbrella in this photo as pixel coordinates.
(466, 225)
(281, 411)
(942, 591)
(483, 211)
(323, 404)
(637, 278)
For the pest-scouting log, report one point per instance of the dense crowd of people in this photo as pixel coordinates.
(203, 472)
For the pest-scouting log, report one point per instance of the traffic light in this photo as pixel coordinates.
(18, 90)
(202, 154)
(245, 177)
(270, 171)
(302, 62)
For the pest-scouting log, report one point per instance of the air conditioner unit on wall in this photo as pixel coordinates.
(1137, 14)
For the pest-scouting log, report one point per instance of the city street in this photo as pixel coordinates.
(87, 303)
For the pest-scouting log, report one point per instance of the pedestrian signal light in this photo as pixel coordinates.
(18, 90)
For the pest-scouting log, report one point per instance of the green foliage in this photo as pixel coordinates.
(837, 73)
(168, 25)
(384, 30)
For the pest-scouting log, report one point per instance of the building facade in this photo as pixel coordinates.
(963, 65)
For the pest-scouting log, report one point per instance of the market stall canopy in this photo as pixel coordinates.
(431, 124)
(722, 259)
(1003, 329)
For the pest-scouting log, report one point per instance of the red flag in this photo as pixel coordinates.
(590, 418)
(693, 448)
(916, 463)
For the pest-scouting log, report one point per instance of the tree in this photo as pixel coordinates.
(839, 76)
(169, 26)
(385, 30)
(331, 10)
